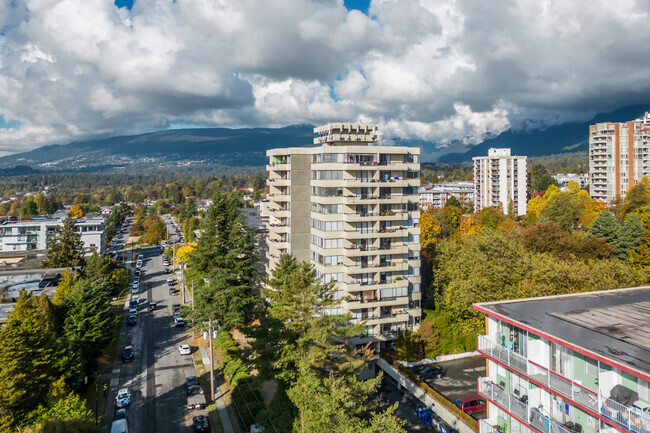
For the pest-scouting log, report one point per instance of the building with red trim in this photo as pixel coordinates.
(568, 364)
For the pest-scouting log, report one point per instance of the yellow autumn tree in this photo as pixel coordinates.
(536, 205)
(183, 253)
(590, 209)
(572, 188)
(644, 215)
(77, 210)
(64, 288)
(429, 229)
(469, 225)
(551, 191)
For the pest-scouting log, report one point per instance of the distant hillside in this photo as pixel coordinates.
(195, 149)
(213, 146)
(569, 137)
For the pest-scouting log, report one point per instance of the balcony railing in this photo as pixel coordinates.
(631, 418)
(527, 415)
(565, 387)
(486, 427)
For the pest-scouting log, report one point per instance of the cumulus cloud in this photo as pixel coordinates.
(433, 70)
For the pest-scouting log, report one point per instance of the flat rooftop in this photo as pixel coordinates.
(612, 324)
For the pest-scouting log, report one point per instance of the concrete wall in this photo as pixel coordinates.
(301, 206)
(427, 395)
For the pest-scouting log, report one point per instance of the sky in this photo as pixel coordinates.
(434, 70)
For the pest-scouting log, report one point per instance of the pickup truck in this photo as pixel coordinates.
(195, 398)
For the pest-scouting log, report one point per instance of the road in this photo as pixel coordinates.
(156, 376)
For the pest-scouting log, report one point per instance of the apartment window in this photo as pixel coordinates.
(393, 293)
(326, 243)
(320, 191)
(327, 226)
(337, 277)
(369, 331)
(328, 157)
(327, 260)
(333, 312)
(592, 367)
(327, 208)
(327, 174)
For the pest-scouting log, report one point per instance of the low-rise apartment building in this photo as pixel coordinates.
(568, 364)
(436, 195)
(350, 207)
(35, 234)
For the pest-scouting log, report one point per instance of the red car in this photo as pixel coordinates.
(471, 404)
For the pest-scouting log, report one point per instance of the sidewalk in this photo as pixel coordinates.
(221, 407)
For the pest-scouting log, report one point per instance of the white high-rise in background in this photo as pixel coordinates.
(618, 157)
(500, 178)
(350, 207)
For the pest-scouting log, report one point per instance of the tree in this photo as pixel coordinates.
(28, 208)
(65, 287)
(607, 227)
(98, 267)
(449, 218)
(41, 203)
(632, 232)
(189, 227)
(636, 196)
(155, 231)
(564, 209)
(90, 320)
(490, 217)
(77, 210)
(429, 230)
(540, 180)
(408, 346)
(224, 257)
(66, 248)
(430, 337)
(26, 356)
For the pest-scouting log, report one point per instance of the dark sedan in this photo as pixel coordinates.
(430, 372)
(127, 354)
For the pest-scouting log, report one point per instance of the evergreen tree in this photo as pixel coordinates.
(65, 286)
(607, 227)
(66, 248)
(90, 320)
(224, 257)
(26, 357)
(631, 235)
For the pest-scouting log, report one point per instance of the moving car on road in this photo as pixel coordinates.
(127, 354)
(123, 397)
(191, 381)
(132, 320)
(185, 349)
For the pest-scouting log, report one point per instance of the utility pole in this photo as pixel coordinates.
(192, 296)
(183, 281)
(211, 361)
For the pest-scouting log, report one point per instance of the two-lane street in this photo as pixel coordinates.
(156, 376)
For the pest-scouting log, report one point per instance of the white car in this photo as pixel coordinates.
(184, 349)
(123, 398)
(138, 263)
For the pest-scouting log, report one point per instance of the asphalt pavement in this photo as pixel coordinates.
(156, 376)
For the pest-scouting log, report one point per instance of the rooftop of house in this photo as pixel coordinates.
(613, 325)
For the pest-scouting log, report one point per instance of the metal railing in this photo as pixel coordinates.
(519, 409)
(629, 417)
(485, 427)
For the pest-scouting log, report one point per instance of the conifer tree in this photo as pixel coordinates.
(66, 248)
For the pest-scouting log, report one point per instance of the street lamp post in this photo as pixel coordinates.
(97, 392)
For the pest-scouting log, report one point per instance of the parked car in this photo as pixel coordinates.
(127, 353)
(133, 302)
(123, 398)
(138, 263)
(430, 371)
(120, 414)
(170, 281)
(176, 307)
(195, 398)
(200, 423)
(133, 311)
(471, 404)
(185, 349)
(179, 321)
(191, 381)
(132, 320)
(153, 305)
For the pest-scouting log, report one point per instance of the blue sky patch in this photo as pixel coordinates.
(124, 4)
(7, 124)
(360, 5)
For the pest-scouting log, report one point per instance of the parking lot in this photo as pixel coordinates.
(460, 379)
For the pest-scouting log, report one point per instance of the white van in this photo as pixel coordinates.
(120, 426)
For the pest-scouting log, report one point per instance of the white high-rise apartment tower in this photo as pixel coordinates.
(500, 178)
(618, 157)
(350, 207)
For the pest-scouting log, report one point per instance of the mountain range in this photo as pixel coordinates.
(247, 147)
